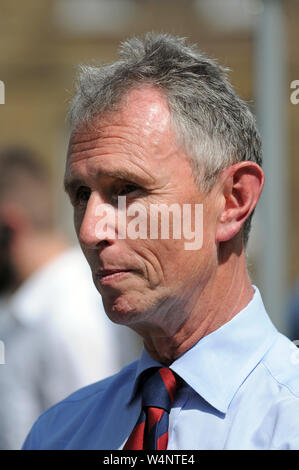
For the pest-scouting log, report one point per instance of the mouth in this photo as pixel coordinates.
(108, 276)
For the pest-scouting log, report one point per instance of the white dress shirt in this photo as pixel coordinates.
(241, 391)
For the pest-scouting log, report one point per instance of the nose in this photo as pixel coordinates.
(97, 223)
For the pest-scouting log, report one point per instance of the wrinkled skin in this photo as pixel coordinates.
(169, 295)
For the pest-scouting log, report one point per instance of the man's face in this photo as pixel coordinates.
(133, 153)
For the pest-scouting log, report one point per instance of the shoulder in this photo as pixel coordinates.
(120, 380)
(60, 421)
(282, 364)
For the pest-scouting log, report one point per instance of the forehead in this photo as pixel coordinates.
(143, 119)
(134, 143)
(144, 106)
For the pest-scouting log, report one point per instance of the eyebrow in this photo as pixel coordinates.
(73, 182)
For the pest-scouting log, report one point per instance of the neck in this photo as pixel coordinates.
(207, 309)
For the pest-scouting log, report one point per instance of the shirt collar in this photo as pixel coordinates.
(218, 363)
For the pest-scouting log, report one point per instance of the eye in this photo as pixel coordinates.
(127, 189)
(82, 195)
(131, 190)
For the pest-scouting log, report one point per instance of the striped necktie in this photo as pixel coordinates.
(151, 430)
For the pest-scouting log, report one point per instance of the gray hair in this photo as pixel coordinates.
(213, 124)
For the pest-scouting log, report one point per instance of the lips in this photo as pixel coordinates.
(110, 272)
(108, 277)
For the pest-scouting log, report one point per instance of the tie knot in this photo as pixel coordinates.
(159, 389)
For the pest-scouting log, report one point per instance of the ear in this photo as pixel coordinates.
(241, 186)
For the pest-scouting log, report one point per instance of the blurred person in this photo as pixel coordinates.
(56, 335)
(163, 125)
(293, 313)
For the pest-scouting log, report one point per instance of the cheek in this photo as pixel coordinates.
(148, 254)
(173, 261)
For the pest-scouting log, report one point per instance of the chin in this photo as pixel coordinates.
(121, 310)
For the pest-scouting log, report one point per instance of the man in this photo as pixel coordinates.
(56, 340)
(164, 126)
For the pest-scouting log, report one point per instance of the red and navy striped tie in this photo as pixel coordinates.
(151, 430)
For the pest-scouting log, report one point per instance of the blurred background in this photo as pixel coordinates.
(42, 42)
